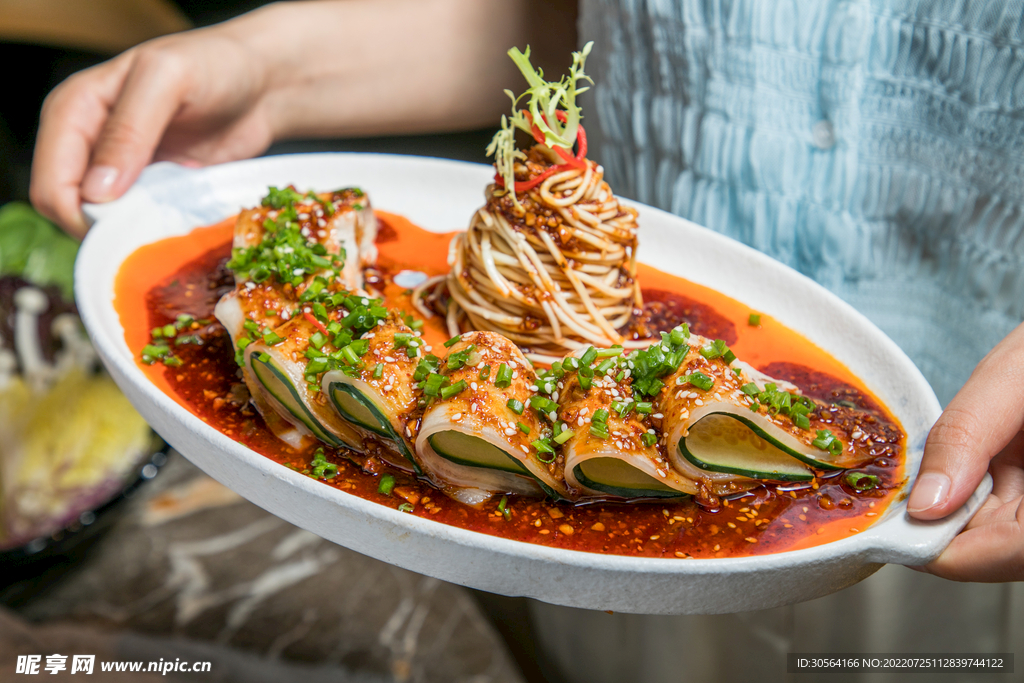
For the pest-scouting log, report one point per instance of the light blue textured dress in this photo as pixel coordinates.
(876, 146)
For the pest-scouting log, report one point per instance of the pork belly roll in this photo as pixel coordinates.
(291, 252)
(475, 439)
(342, 222)
(730, 424)
(613, 449)
(373, 389)
(279, 377)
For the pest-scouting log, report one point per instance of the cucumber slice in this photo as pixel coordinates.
(723, 442)
(355, 407)
(618, 478)
(361, 410)
(276, 382)
(465, 449)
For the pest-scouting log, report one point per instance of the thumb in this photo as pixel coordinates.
(151, 95)
(986, 414)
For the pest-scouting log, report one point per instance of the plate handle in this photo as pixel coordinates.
(889, 545)
(160, 171)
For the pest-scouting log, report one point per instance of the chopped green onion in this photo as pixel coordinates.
(564, 436)
(679, 335)
(542, 404)
(585, 382)
(516, 406)
(645, 407)
(485, 372)
(270, 338)
(605, 365)
(156, 350)
(588, 356)
(801, 421)
(750, 389)
(503, 379)
(449, 391)
(523, 428)
(600, 415)
(387, 483)
(623, 408)
(649, 439)
(542, 446)
(754, 320)
(459, 359)
(860, 481)
(717, 349)
(609, 353)
(700, 380)
(434, 384)
(504, 509)
(349, 355)
(406, 507)
(402, 339)
(378, 371)
(827, 441)
(453, 341)
(427, 365)
(600, 430)
(550, 451)
(169, 330)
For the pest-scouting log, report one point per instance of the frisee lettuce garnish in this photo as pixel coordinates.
(546, 99)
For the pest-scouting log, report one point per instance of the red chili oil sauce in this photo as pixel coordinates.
(186, 274)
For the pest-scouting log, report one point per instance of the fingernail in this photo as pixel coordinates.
(931, 489)
(98, 184)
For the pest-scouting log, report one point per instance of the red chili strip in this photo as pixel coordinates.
(319, 325)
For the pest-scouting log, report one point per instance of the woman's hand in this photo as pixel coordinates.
(194, 98)
(980, 431)
(297, 69)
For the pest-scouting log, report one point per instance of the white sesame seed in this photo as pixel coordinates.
(525, 449)
(552, 416)
(579, 421)
(389, 359)
(515, 374)
(473, 386)
(321, 223)
(699, 402)
(554, 396)
(456, 417)
(534, 387)
(303, 216)
(428, 349)
(307, 309)
(584, 410)
(657, 416)
(510, 432)
(662, 473)
(388, 387)
(472, 408)
(321, 234)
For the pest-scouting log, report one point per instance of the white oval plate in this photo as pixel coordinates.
(441, 196)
